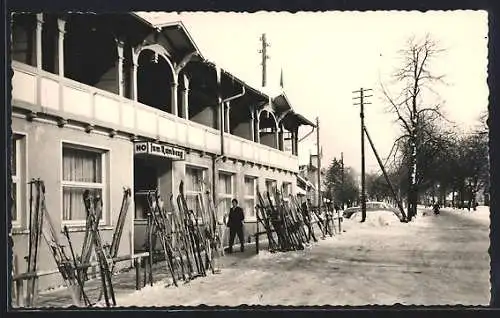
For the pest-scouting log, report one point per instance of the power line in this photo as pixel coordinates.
(362, 103)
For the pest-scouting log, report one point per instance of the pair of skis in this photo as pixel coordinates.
(193, 230)
(269, 221)
(293, 241)
(41, 225)
(285, 219)
(167, 231)
(304, 215)
(216, 239)
(93, 205)
(159, 222)
(35, 230)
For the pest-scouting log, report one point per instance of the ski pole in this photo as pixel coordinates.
(77, 275)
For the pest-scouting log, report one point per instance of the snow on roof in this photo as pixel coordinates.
(161, 19)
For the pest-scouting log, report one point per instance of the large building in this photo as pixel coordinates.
(307, 178)
(106, 101)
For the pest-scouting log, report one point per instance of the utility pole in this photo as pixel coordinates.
(265, 57)
(318, 149)
(362, 103)
(342, 177)
(400, 205)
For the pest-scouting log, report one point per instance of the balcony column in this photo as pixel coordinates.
(185, 98)
(281, 139)
(257, 130)
(133, 77)
(220, 116)
(276, 137)
(61, 24)
(252, 124)
(227, 107)
(119, 47)
(292, 139)
(296, 141)
(173, 103)
(39, 25)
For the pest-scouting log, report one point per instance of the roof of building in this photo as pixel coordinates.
(306, 182)
(176, 32)
(181, 39)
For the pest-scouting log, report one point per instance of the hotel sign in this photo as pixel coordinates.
(154, 149)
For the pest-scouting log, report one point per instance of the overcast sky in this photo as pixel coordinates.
(326, 56)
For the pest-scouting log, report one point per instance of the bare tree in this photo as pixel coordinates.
(413, 106)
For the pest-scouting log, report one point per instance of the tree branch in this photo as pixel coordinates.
(395, 107)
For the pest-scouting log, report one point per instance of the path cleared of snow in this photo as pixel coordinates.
(434, 260)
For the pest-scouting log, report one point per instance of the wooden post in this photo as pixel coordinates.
(340, 222)
(257, 236)
(76, 295)
(20, 293)
(145, 263)
(18, 284)
(137, 264)
(257, 242)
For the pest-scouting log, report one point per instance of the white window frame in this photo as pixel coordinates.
(188, 193)
(18, 179)
(250, 197)
(275, 184)
(225, 196)
(287, 196)
(86, 185)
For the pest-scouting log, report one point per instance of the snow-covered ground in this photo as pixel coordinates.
(434, 260)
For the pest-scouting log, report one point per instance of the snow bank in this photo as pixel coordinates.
(376, 218)
(482, 214)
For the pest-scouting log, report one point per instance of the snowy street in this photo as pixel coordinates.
(434, 260)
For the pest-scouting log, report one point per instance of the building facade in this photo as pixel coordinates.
(107, 101)
(309, 173)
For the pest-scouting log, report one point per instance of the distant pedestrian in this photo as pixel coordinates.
(235, 224)
(436, 208)
(337, 208)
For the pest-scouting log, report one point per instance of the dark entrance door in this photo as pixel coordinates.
(145, 178)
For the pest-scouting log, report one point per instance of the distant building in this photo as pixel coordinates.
(309, 173)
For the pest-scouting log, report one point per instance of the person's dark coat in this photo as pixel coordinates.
(236, 217)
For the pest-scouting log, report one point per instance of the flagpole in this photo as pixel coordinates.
(319, 162)
(281, 78)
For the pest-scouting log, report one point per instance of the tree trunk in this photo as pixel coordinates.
(413, 187)
(453, 198)
(462, 197)
(442, 195)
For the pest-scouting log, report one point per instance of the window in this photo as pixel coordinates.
(250, 196)
(271, 188)
(286, 190)
(225, 192)
(194, 178)
(15, 159)
(23, 39)
(82, 170)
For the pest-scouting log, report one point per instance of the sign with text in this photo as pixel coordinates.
(154, 149)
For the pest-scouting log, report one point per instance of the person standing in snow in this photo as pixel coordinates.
(235, 224)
